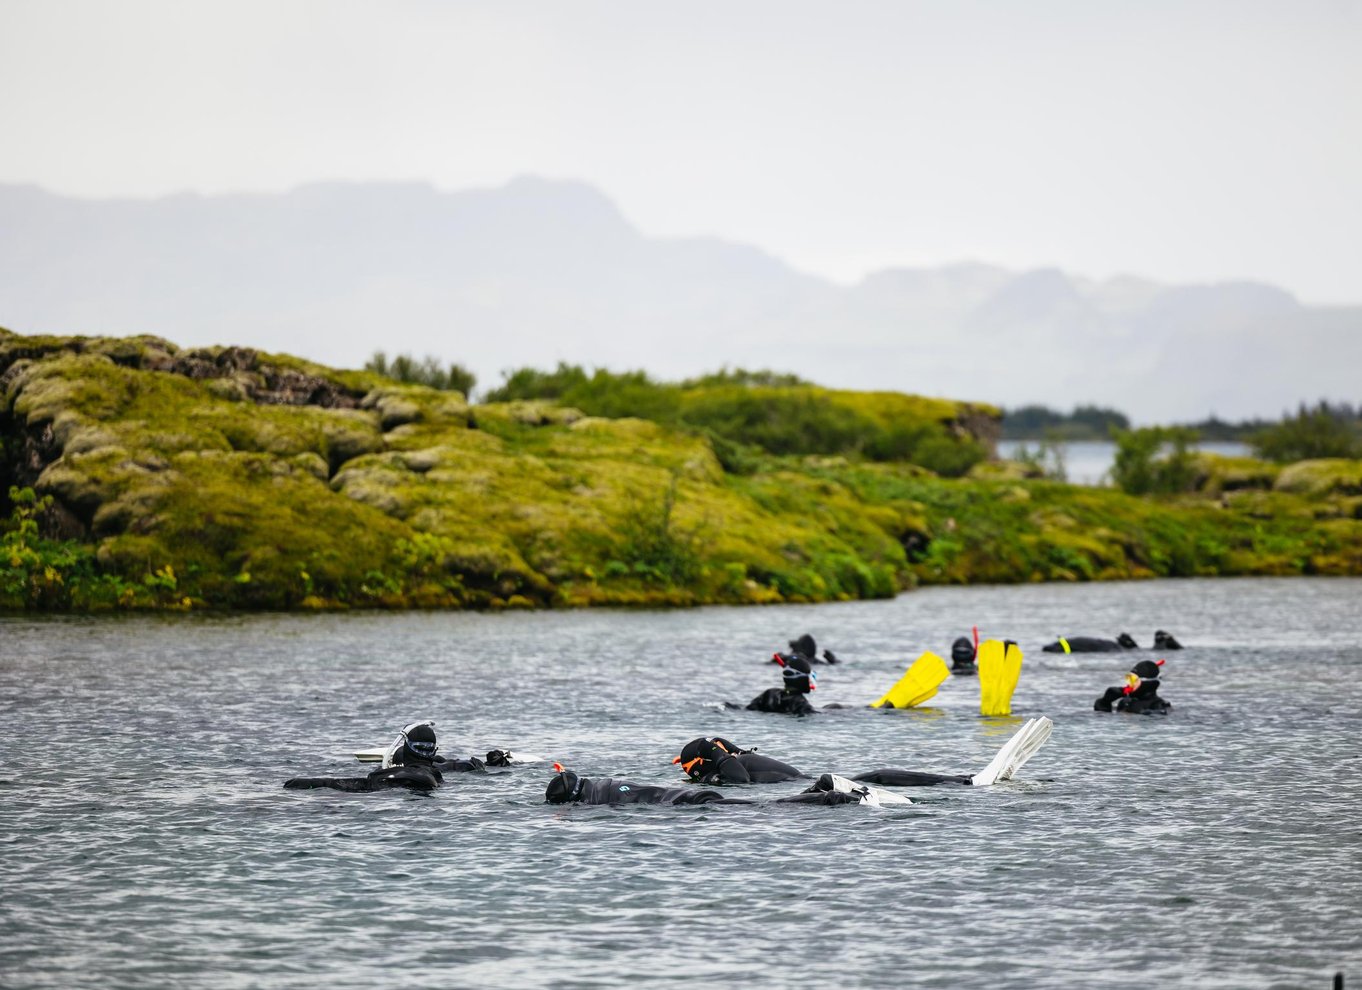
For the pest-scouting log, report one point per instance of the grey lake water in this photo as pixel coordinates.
(145, 840)
(1089, 462)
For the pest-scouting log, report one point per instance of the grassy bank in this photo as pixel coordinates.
(135, 474)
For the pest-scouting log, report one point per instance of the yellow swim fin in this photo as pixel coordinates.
(999, 668)
(918, 683)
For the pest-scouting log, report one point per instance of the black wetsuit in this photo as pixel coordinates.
(612, 790)
(963, 657)
(911, 778)
(1091, 644)
(805, 647)
(781, 701)
(417, 773)
(416, 778)
(1144, 700)
(471, 765)
(1165, 641)
(722, 762)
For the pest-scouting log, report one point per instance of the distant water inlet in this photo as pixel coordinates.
(146, 841)
(1089, 462)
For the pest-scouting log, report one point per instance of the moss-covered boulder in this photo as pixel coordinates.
(1216, 473)
(1327, 476)
(1005, 470)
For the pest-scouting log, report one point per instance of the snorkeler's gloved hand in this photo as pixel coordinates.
(1109, 697)
(720, 763)
(499, 758)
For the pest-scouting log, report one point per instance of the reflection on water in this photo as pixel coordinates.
(146, 840)
(1088, 462)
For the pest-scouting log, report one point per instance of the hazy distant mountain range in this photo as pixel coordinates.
(540, 271)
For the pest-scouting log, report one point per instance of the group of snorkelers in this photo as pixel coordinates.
(1138, 695)
(412, 761)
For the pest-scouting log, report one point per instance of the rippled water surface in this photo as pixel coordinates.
(145, 840)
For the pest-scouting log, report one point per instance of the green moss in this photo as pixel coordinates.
(1004, 471)
(191, 493)
(1216, 474)
(1326, 476)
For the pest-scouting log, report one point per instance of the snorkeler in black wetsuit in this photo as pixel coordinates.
(568, 788)
(718, 761)
(790, 699)
(962, 657)
(1139, 695)
(411, 762)
(807, 648)
(1091, 644)
(401, 753)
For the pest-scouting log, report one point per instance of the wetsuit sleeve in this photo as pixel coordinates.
(767, 701)
(414, 777)
(697, 795)
(1139, 705)
(612, 790)
(910, 778)
(354, 785)
(472, 764)
(726, 768)
(782, 702)
(821, 797)
(1112, 695)
(767, 770)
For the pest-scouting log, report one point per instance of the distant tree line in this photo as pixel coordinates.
(426, 371)
(1322, 430)
(1325, 429)
(1037, 422)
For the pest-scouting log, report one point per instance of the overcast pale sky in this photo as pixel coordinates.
(1183, 141)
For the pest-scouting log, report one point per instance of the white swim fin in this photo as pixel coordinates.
(876, 797)
(1023, 745)
(1035, 739)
